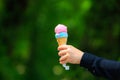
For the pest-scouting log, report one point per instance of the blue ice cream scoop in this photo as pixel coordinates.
(61, 35)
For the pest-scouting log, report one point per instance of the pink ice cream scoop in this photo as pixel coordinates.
(61, 31)
(60, 28)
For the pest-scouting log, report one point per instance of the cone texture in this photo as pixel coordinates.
(61, 41)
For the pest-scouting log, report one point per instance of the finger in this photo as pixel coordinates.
(62, 47)
(62, 52)
(63, 62)
(63, 58)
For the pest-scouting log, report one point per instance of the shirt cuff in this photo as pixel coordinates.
(87, 60)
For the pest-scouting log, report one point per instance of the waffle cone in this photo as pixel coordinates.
(61, 41)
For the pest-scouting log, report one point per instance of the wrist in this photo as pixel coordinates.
(79, 57)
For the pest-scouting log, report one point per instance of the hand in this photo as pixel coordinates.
(69, 54)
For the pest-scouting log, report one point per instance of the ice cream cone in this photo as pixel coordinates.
(61, 36)
(61, 41)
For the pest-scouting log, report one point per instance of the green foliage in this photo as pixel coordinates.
(28, 49)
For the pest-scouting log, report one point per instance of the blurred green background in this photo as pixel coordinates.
(28, 48)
